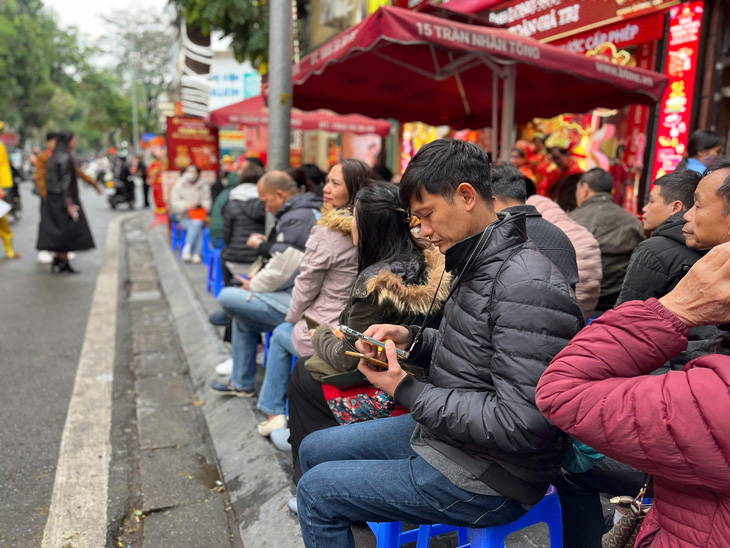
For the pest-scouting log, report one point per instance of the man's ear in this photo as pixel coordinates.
(677, 206)
(466, 195)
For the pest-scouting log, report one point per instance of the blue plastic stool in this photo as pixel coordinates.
(267, 344)
(215, 272)
(293, 361)
(174, 229)
(391, 535)
(206, 244)
(546, 511)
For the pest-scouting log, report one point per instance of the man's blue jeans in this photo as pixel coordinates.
(368, 472)
(253, 314)
(272, 399)
(194, 235)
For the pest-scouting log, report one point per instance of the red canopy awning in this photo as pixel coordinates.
(417, 67)
(253, 112)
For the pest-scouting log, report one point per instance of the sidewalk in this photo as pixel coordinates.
(252, 469)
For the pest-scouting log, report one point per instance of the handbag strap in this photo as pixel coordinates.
(638, 502)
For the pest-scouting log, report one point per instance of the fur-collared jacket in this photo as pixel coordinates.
(399, 291)
(326, 276)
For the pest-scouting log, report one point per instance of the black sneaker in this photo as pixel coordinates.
(227, 389)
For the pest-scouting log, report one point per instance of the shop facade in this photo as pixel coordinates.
(685, 40)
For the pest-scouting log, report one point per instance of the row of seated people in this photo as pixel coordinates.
(459, 437)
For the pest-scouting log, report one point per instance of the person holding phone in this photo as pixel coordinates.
(321, 289)
(398, 277)
(63, 226)
(474, 451)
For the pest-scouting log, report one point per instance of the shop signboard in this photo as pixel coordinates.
(548, 20)
(638, 118)
(190, 140)
(675, 110)
(621, 35)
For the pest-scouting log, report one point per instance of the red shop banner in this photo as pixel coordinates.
(639, 114)
(191, 141)
(675, 111)
(621, 35)
(548, 20)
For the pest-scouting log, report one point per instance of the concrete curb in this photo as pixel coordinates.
(258, 487)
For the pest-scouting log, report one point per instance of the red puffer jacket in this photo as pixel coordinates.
(675, 426)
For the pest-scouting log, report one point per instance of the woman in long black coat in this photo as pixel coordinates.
(63, 223)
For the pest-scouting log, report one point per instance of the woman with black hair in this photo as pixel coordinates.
(398, 278)
(704, 148)
(63, 225)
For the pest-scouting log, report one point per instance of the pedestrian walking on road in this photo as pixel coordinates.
(63, 225)
(6, 183)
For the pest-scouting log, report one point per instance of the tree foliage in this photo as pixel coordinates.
(48, 81)
(247, 22)
(140, 42)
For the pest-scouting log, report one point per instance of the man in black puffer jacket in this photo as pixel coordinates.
(657, 264)
(474, 450)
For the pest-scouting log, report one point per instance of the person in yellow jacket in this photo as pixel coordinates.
(6, 183)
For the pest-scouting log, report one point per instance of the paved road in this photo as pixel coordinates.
(43, 320)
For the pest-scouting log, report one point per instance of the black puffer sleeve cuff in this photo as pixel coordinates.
(407, 392)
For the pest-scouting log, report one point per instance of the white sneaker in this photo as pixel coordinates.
(186, 256)
(260, 358)
(197, 259)
(280, 439)
(71, 256)
(292, 505)
(275, 422)
(45, 257)
(225, 369)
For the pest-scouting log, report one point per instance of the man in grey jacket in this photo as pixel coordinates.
(618, 232)
(262, 301)
(474, 450)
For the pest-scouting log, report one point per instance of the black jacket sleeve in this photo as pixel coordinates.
(228, 216)
(646, 276)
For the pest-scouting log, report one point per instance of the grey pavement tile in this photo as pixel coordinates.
(159, 340)
(150, 315)
(163, 391)
(193, 526)
(143, 296)
(174, 477)
(159, 363)
(165, 427)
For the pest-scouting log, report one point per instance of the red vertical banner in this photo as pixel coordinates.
(638, 118)
(685, 22)
(191, 141)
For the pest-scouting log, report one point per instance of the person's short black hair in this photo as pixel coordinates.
(256, 161)
(679, 185)
(314, 174)
(51, 135)
(703, 139)
(519, 151)
(383, 172)
(598, 180)
(441, 166)
(530, 189)
(724, 190)
(508, 183)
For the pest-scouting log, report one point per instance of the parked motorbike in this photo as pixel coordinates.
(116, 192)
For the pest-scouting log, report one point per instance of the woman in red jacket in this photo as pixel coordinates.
(674, 426)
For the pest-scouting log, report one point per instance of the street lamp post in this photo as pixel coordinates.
(280, 84)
